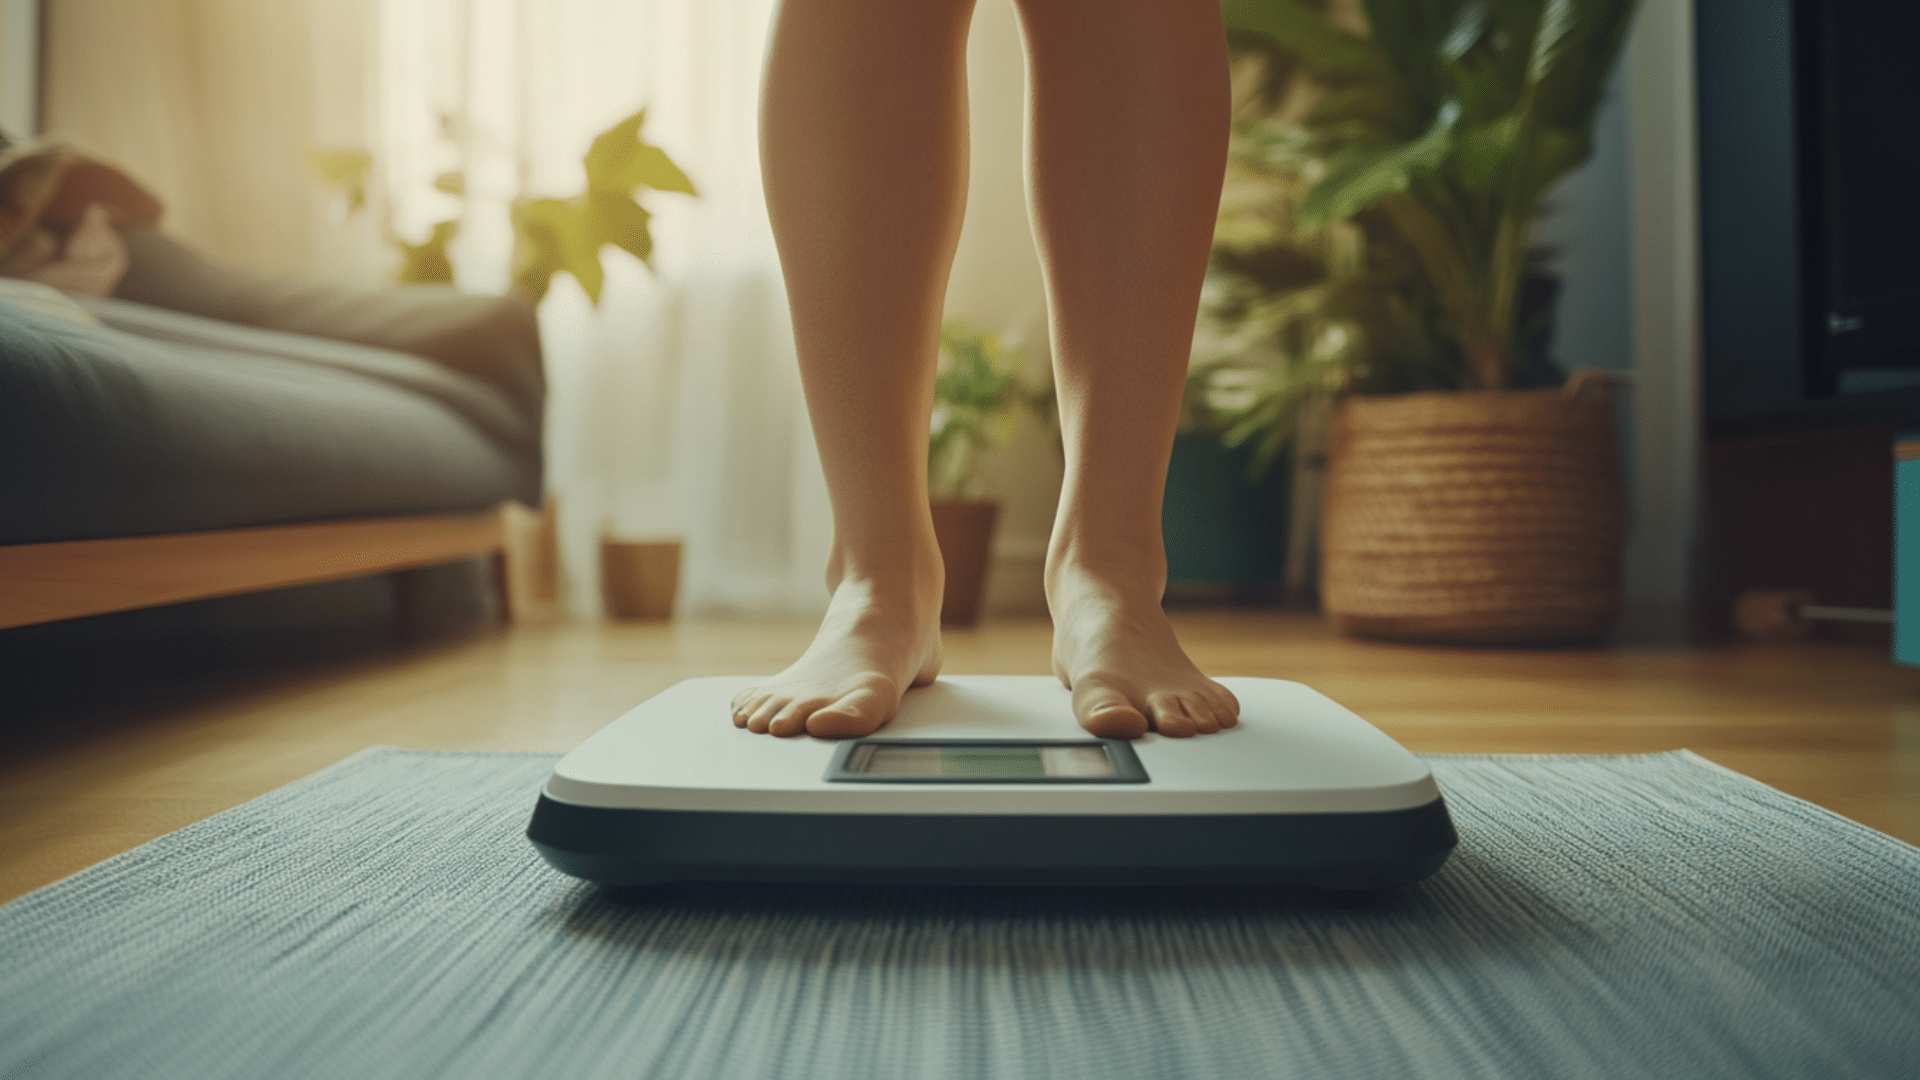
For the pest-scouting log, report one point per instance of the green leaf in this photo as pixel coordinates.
(975, 392)
(341, 167)
(1484, 156)
(346, 170)
(619, 161)
(1556, 152)
(1407, 29)
(1299, 29)
(560, 238)
(651, 167)
(567, 235)
(1365, 107)
(1570, 91)
(1363, 176)
(427, 262)
(1557, 24)
(536, 254)
(1433, 136)
(618, 220)
(1469, 28)
(610, 146)
(1489, 77)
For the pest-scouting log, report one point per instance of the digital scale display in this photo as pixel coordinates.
(985, 761)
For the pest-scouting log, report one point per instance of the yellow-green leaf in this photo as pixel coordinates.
(609, 146)
(427, 261)
(567, 241)
(650, 167)
(619, 160)
(622, 222)
(341, 167)
(536, 255)
(345, 169)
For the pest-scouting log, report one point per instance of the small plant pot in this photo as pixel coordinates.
(964, 528)
(639, 579)
(1474, 518)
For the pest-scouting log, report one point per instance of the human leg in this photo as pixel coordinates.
(1127, 130)
(863, 152)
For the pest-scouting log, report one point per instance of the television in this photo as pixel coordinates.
(1810, 211)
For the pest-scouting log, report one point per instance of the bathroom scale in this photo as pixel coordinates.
(987, 779)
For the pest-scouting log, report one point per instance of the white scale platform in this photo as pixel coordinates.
(1300, 790)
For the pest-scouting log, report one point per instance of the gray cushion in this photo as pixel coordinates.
(161, 422)
(491, 338)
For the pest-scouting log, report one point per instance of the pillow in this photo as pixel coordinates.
(58, 212)
(41, 299)
(92, 261)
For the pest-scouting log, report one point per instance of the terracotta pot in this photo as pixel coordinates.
(1487, 518)
(964, 528)
(639, 579)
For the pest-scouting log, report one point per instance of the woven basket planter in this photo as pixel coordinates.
(1483, 518)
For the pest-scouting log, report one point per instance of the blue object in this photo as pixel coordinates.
(1906, 548)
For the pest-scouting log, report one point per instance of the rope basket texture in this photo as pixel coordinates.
(1487, 518)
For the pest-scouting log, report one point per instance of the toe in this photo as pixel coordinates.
(744, 703)
(1226, 707)
(1118, 721)
(792, 720)
(764, 713)
(859, 713)
(1170, 716)
(1106, 712)
(1200, 711)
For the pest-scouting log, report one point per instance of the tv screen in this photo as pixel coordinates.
(1862, 174)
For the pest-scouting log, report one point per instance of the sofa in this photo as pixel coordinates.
(205, 431)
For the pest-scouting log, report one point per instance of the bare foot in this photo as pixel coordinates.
(875, 642)
(1113, 647)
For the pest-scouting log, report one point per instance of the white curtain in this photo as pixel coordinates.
(675, 408)
(214, 104)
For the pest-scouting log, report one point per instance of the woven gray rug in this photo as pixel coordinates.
(1615, 917)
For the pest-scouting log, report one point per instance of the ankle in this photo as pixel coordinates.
(1124, 573)
(906, 573)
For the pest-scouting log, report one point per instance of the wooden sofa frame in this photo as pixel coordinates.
(45, 582)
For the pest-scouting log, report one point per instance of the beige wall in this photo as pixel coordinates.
(1663, 543)
(996, 283)
(19, 67)
(213, 104)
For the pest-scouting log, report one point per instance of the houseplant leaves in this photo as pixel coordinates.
(1453, 118)
(554, 236)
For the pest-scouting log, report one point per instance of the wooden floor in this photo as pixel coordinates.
(1833, 723)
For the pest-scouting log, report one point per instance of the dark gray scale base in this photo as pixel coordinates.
(1328, 851)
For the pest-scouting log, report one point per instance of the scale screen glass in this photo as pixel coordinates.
(918, 761)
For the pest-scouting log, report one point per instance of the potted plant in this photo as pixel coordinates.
(1461, 505)
(638, 578)
(976, 391)
(1294, 318)
(550, 236)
